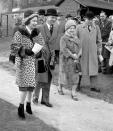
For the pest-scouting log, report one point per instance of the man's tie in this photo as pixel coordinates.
(51, 29)
(102, 24)
(89, 28)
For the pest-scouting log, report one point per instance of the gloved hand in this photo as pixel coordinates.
(29, 52)
(21, 52)
(39, 55)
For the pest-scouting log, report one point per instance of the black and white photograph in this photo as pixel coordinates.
(56, 65)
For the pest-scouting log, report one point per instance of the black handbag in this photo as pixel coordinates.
(41, 65)
(12, 58)
(41, 70)
(77, 67)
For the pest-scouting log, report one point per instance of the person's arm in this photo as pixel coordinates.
(17, 44)
(110, 40)
(99, 41)
(80, 53)
(65, 51)
(40, 40)
(19, 49)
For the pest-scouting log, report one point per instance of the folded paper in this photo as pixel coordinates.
(37, 48)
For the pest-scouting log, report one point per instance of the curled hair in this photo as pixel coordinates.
(28, 21)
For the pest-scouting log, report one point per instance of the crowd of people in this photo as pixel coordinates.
(44, 39)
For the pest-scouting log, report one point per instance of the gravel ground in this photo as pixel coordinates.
(105, 81)
(9, 120)
(87, 114)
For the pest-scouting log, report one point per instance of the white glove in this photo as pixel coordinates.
(75, 56)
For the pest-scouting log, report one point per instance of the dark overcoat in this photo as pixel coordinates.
(105, 29)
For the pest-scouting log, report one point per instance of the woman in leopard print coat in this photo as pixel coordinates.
(25, 60)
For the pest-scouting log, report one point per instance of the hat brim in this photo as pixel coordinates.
(76, 18)
(30, 17)
(51, 14)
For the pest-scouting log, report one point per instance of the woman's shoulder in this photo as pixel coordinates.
(20, 30)
(64, 37)
(111, 32)
(35, 32)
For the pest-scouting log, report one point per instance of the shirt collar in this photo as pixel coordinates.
(28, 29)
(85, 25)
(48, 26)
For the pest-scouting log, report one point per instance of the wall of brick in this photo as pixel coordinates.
(69, 7)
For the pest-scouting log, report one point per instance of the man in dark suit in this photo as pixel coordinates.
(49, 33)
(105, 28)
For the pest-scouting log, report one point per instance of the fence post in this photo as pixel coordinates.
(1, 27)
(7, 25)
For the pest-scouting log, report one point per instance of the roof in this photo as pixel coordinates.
(31, 8)
(59, 2)
(92, 3)
(96, 3)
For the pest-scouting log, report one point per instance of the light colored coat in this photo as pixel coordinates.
(91, 43)
(68, 74)
(110, 40)
(60, 30)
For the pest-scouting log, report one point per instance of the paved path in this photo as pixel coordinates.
(87, 114)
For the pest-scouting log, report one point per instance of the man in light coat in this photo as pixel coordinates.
(90, 37)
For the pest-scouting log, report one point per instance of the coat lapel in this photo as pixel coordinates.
(47, 32)
(54, 34)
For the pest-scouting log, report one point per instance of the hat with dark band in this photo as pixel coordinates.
(68, 16)
(89, 15)
(41, 12)
(29, 14)
(69, 23)
(51, 12)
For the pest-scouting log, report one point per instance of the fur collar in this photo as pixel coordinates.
(24, 31)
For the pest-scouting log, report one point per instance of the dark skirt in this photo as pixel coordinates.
(26, 89)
